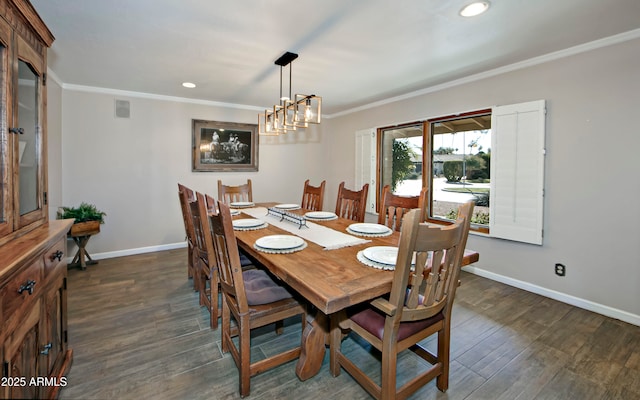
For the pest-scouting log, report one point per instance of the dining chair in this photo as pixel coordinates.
(229, 194)
(251, 297)
(393, 207)
(312, 196)
(351, 204)
(205, 273)
(185, 195)
(418, 306)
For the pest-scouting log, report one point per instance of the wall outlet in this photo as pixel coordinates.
(561, 270)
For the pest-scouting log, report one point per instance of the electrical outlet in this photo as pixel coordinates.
(561, 270)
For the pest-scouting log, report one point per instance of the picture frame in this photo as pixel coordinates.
(224, 146)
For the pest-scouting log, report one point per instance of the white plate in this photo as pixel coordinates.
(279, 242)
(384, 255)
(370, 229)
(234, 212)
(381, 254)
(247, 223)
(320, 215)
(287, 206)
(242, 204)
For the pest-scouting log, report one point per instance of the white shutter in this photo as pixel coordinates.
(366, 165)
(517, 171)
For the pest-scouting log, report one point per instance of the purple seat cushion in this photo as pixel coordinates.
(372, 321)
(261, 289)
(244, 260)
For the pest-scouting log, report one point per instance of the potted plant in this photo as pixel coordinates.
(87, 218)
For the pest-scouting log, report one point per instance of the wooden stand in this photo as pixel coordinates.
(81, 233)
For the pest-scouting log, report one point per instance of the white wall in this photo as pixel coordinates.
(592, 221)
(130, 168)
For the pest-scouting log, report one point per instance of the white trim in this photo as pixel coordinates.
(118, 92)
(56, 78)
(132, 252)
(596, 44)
(562, 297)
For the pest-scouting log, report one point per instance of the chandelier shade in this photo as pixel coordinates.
(292, 112)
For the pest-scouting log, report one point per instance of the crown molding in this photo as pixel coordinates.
(596, 44)
(556, 55)
(152, 96)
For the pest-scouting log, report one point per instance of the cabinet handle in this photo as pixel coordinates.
(27, 286)
(46, 349)
(16, 130)
(58, 254)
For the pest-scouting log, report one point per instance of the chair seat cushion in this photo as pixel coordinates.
(372, 321)
(261, 289)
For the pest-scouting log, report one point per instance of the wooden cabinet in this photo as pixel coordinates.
(33, 313)
(33, 270)
(23, 63)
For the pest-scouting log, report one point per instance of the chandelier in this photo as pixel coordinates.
(291, 113)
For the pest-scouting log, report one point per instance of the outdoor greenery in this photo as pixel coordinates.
(480, 217)
(82, 213)
(402, 162)
(452, 170)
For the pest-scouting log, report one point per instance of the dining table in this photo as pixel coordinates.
(327, 273)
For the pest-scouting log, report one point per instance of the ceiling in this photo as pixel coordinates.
(351, 52)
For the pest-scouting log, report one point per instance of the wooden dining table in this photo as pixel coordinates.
(331, 280)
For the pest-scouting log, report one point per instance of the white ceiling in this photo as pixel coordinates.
(352, 52)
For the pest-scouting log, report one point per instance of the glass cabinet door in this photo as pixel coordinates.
(29, 140)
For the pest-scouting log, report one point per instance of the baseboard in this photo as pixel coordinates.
(563, 297)
(132, 252)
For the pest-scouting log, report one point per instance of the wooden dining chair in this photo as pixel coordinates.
(229, 194)
(351, 204)
(312, 196)
(418, 306)
(394, 207)
(206, 274)
(185, 195)
(251, 297)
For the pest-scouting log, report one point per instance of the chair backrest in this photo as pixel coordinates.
(394, 207)
(227, 258)
(430, 288)
(199, 244)
(229, 194)
(186, 195)
(312, 197)
(352, 204)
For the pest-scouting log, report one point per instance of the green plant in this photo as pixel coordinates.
(481, 218)
(84, 212)
(402, 164)
(452, 170)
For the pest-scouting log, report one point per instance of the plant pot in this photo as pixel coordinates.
(85, 228)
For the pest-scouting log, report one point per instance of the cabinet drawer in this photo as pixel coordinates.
(20, 290)
(54, 256)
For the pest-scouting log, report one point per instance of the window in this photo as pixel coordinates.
(494, 157)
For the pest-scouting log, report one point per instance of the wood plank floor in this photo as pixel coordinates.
(138, 333)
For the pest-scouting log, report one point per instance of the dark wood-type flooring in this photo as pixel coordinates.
(138, 333)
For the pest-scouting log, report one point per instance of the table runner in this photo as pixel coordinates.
(328, 238)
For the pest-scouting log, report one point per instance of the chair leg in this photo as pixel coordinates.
(245, 358)
(214, 287)
(442, 381)
(389, 364)
(226, 326)
(335, 342)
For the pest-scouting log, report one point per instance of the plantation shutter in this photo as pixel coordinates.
(517, 171)
(366, 165)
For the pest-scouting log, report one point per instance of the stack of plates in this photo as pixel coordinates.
(372, 230)
(234, 212)
(381, 257)
(321, 215)
(287, 206)
(248, 224)
(242, 204)
(280, 244)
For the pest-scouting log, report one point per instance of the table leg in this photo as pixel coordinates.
(79, 260)
(313, 346)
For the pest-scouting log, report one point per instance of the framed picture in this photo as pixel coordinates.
(224, 146)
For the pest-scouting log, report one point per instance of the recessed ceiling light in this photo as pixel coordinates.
(474, 9)
(188, 85)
